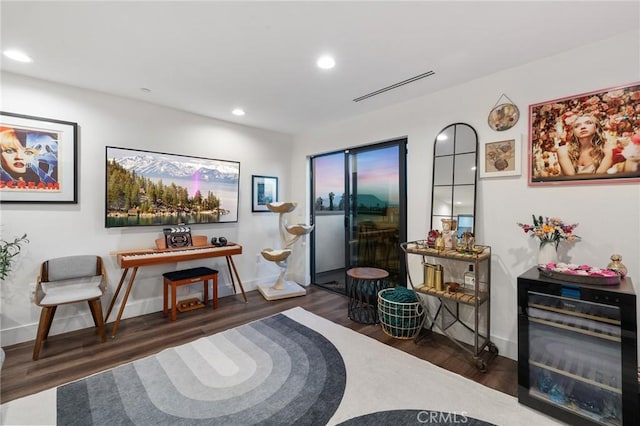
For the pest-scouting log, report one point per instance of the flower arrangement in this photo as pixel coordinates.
(432, 236)
(550, 230)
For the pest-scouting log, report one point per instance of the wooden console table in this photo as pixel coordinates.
(135, 259)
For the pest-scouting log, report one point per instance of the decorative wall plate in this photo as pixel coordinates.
(503, 116)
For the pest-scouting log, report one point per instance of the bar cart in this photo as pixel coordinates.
(450, 266)
(577, 349)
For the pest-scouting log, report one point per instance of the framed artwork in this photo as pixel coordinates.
(501, 158)
(588, 138)
(146, 188)
(503, 116)
(264, 189)
(39, 160)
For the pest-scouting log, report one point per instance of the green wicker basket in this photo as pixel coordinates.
(400, 313)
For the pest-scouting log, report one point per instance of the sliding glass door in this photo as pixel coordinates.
(328, 215)
(359, 212)
(377, 208)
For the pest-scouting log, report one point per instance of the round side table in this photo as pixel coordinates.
(363, 285)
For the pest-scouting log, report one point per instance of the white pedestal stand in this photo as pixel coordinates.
(289, 234)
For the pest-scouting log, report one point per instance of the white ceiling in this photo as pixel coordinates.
(207, 57)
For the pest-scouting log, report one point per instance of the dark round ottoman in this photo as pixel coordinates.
(363, 285)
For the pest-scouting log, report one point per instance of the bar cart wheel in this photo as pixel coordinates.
(481, 365)
(493, 348)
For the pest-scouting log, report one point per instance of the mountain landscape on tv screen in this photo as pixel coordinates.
(152, 167)
(149, 188)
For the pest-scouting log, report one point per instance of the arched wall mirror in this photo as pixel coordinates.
(454, 177)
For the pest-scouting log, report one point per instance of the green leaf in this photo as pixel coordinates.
(9, 250)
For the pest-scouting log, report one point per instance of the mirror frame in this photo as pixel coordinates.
(440, 172)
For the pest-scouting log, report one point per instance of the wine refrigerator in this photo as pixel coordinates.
(577, 350)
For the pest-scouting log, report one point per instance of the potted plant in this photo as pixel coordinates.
(9, 250)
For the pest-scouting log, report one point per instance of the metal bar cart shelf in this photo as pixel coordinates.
(449, 302)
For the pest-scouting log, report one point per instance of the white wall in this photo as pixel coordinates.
(59, 230)
(608, 214)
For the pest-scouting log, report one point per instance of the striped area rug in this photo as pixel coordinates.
(273, 371)
(294, 368)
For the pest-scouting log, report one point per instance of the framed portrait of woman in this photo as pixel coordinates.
(38, 159)
(593, 137)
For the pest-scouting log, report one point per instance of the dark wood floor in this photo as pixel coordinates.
(70, 356)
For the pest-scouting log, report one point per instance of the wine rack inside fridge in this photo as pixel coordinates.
(577, 352)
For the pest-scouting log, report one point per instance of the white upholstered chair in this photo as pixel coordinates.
(65, 280)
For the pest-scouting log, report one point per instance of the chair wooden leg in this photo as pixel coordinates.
(96, 312)
(46, 317)
(50, 320)
(93, 312)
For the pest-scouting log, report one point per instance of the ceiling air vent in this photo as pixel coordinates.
(394, 86)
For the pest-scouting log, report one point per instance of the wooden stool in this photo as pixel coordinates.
(189, 276)
(363, 285)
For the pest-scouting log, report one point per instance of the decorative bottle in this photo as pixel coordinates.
(439, 278)
(470, 279)
(440, 242)
(616, 265)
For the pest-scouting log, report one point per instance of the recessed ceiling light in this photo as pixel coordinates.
(238, 112)
(17, 55)
(442, 137)
(326, 62)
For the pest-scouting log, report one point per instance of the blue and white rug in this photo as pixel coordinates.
(291, 368)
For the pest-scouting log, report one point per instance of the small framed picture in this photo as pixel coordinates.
(501, 158)
(39, 160)
(264, 189)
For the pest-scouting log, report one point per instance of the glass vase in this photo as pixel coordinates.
(548, 253)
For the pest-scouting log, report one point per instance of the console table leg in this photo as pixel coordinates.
(233, 266)
(115, 295)
(124, 303)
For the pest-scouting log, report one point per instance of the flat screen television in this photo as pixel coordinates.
(145, 188)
